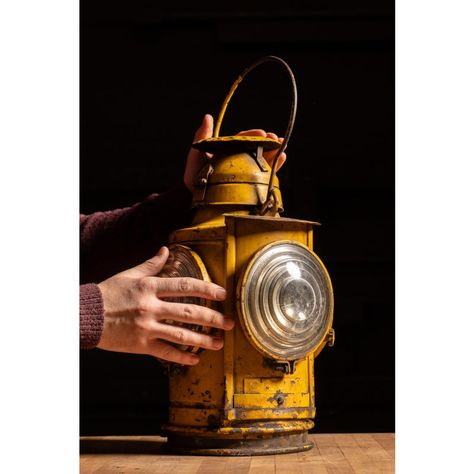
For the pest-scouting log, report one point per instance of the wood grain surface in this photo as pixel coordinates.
(333, 454)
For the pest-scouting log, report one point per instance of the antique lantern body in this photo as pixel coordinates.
(256, 395)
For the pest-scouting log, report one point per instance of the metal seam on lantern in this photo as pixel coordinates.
(260, 306)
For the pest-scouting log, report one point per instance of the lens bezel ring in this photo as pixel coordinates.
(193, 267)
(247, 286)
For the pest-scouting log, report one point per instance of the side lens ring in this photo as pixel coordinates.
(286, 300)
(183, 262)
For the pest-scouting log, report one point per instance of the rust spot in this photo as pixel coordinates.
(212, 421)
(279, 397)
(266, 444)
(224, 395)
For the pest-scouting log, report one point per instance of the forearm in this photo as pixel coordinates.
(115, 240)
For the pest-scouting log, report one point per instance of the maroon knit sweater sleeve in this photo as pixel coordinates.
(113, 241)
(92, 315)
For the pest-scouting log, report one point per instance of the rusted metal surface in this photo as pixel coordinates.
(270, 202)
(240, 429)
(235, 143)
(251, 446)
(235, 179)
(244, 399)
(231, 391)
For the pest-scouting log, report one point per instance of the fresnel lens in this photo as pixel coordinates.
(286, 300)
(183, 262)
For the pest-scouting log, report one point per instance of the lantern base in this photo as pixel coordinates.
(249, 440)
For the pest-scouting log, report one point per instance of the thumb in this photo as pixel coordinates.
(197, 159)
(151, 266)
(205, 129)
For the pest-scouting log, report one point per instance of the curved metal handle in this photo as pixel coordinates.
(270, 197)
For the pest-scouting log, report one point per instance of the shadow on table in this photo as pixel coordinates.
(122, 446)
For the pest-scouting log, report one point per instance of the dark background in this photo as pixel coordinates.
(150, 71)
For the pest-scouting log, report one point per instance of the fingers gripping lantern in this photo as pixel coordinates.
(183, 262)
(256, 395)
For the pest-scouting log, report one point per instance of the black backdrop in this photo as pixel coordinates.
(148, 74)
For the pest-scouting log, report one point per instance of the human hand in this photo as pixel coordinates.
(197, 159)
(134, 311)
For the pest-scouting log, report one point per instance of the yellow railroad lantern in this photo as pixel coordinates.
(256, 395)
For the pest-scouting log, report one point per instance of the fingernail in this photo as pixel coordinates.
(194, 359)
(229, 323)
(160, 253)
(221, 293)
(217, 342)
(205, 118)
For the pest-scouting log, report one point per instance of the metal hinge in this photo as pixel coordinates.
(203, 178)
(258, 156)
(331, 337)
(284, 366)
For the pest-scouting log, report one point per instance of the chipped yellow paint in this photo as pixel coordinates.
(235, 392)
(240, 142)
(234, 180)
(257, 428)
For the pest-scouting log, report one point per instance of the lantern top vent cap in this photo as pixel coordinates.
(236, 143)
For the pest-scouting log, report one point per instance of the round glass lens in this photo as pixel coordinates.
(297, 300)
(287, 300)
(183, 262)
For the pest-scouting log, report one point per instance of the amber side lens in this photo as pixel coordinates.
(183, 262)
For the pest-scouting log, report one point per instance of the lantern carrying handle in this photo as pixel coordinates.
(270, 199)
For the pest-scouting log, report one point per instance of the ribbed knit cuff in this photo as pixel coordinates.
(92, 315)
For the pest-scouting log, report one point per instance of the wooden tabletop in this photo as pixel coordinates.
(333, 454)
